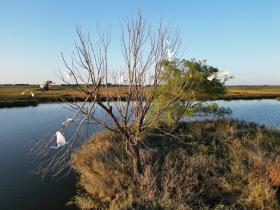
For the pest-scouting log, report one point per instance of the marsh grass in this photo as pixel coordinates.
(10, 95)
(252, 92)
(221, 164)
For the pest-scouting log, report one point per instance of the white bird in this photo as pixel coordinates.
(223, 73)
(219, 74)
(211, 77)
(31, 93)
(167, 42)
(45, 85)
(68, 120)
(170, 55)
(60, 140)
(69, 75)
(122, 80)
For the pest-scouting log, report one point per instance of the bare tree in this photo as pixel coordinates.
(144, 48)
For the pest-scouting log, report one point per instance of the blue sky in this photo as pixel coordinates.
(242, 36)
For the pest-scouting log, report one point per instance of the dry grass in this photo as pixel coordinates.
(11, 95)
(218, 165)
(252, 92)
(55, 91)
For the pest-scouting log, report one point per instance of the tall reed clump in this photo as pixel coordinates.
(222, 164)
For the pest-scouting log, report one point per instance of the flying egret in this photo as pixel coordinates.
(122, 80)
(69, 75)
(45, 85)
(60, 140)
(219, 74)
(31, 93)
(211, 77)
(67, 121)
(223, 73)
(167, 42)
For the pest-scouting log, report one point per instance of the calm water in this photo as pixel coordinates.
(20, 190)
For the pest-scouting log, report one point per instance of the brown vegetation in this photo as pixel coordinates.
(252, 92)
(10, 96)
(216, 165)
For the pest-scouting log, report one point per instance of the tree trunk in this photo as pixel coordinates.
(137, 166)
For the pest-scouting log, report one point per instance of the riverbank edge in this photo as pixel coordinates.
(45, 100)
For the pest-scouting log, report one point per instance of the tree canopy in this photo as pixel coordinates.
(196, 89)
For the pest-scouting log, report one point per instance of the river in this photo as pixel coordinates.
(19, 127)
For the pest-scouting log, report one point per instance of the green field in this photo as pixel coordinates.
(10, 95)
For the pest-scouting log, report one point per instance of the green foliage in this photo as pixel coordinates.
(187, 81)
(220, 164)
(191, 76)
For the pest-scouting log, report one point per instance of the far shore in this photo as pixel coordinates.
(10, 95)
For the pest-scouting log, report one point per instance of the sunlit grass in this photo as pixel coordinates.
(12, 94)
(222, 164)
(251, 91)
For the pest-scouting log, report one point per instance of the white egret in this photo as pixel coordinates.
(45, 85)
(170, 55)
(69, 75)
(31, 93)
(219, 75)
(211, 77)
(67, 121)
(167, 42)
(223, 73)
(122, 80)
(60, 140)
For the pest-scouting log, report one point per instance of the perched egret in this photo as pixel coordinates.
(31, 93)
(60, 140)
(68, 120)
(170, 55)
(45, 85)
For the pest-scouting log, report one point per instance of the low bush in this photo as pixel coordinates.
(222, 164)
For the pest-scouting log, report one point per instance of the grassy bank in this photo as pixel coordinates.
(217, 165)
(10, 96)
(252, 92)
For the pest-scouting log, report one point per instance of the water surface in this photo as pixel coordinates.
(19, 127)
